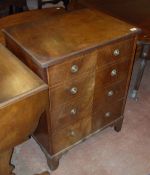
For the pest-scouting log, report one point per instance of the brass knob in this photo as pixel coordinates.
(113, 72)
(116, 52)
(73, 90)
(110, 93)
(73, 111)
(107, 114)
(72, 133)
(74, 68)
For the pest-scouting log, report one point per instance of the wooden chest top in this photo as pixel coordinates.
(50, 41)
(16, 80)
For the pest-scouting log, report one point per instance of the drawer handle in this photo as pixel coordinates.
(107, 114)
(72, 133)
(74, 68)
(113, 72)
(73, 111)
(116, 52)
(110, 93)
(73, 90)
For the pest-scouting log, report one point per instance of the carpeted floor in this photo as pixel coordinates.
(107, 153)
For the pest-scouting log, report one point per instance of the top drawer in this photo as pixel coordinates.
(72, 68)
(117, 51)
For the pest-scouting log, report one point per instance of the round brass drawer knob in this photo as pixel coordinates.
(110, 93)
(116, 52)
(113, 72)
(74, 68)
(72, 133)
(73, 90)
(73, 111)
(107, 114)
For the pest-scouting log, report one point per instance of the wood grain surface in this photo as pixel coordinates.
(23, 98)
(51, 41)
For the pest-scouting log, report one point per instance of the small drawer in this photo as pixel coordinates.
(72, 68)
(118, 51)
(112, 74)
(66, 137)
(71, 113)
(72, 90)
(108, 94)
(107, 114)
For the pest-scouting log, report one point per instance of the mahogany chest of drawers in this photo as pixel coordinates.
(86, 57)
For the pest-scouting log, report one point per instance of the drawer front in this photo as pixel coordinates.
(66, 137)
(106, 114)
(71, 113)
(72, 69)
(112, 74)
(80, 88)
(118, 51)
(108, 94)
